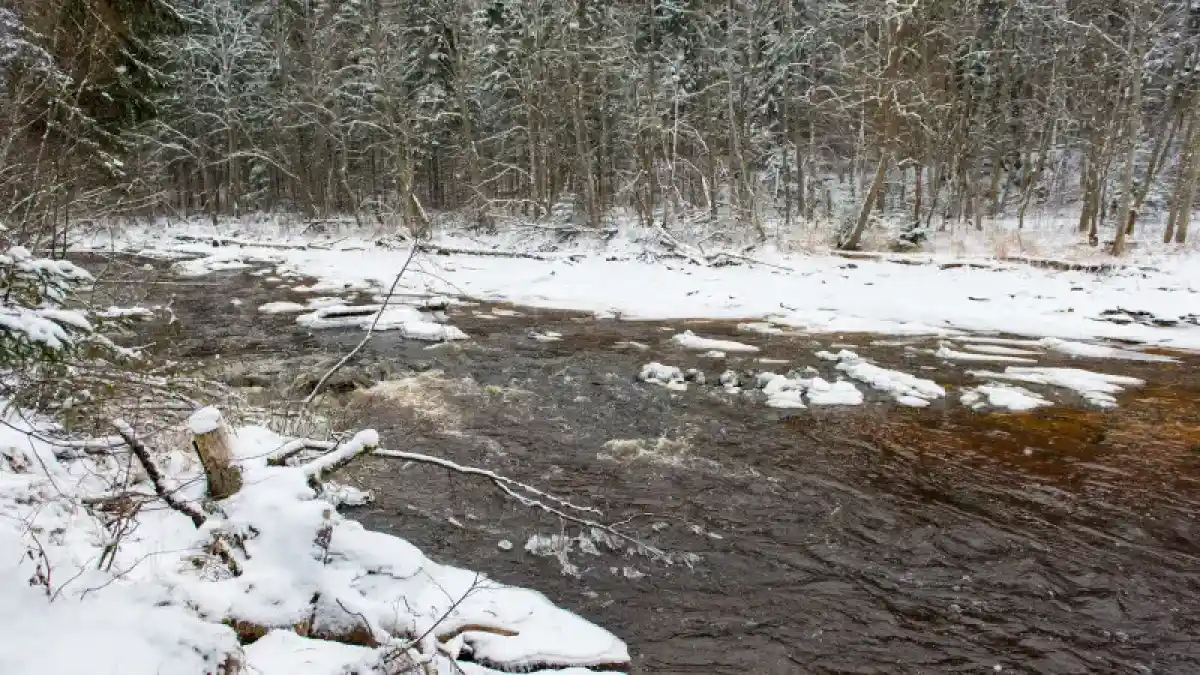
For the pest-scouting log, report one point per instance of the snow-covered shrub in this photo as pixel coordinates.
(35, 328)
(53, 355)
(911, 237)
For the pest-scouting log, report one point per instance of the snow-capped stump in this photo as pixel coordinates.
(212, 442)
(694, 375)
(690, 340)
(665, 376)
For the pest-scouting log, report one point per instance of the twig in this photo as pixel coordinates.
(408, 647)
(370, 331)
(496, 478)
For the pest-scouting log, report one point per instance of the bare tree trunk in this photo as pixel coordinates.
(1180, 196)
(853, 241)
(477, 200)
(917, 193)
(1183, 205)
(1034, 176)
(1189, 197)
(1161, 146)
(786, 174)
(583, 157)
(1133, 126)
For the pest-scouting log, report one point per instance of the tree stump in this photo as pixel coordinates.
(213, 442)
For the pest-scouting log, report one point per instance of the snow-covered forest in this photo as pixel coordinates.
(742, 114)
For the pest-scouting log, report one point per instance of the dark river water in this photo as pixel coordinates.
(869, 539)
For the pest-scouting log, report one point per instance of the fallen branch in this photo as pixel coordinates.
(283, 453)
(442, 250)
(156, 478)
(364, 441)
(716, 258)
(507, 486)
(218, 241)
(218, 546)
(501, 481)
(677, 248)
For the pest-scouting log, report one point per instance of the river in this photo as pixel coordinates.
(867, 539)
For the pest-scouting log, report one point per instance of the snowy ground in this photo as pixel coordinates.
(98, 576)
(1154, 299)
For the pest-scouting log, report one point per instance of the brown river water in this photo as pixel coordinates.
(868, 539)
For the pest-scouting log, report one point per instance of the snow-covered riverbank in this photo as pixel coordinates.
(1154, 299)
(99, 576)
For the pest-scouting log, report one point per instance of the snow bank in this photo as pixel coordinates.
(1002, 396)
(1095, 388)
(411, 322)
(1100, 351)
(907, 389)
(984, 348)
(114, 312)
(782, 391)
(761, 327)
(841, 392)
(817, 293)
(945, 352)
(282, 652)
(786, 392)
(690, 340)
(281, 307)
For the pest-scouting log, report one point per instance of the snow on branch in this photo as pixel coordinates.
(364, 441)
